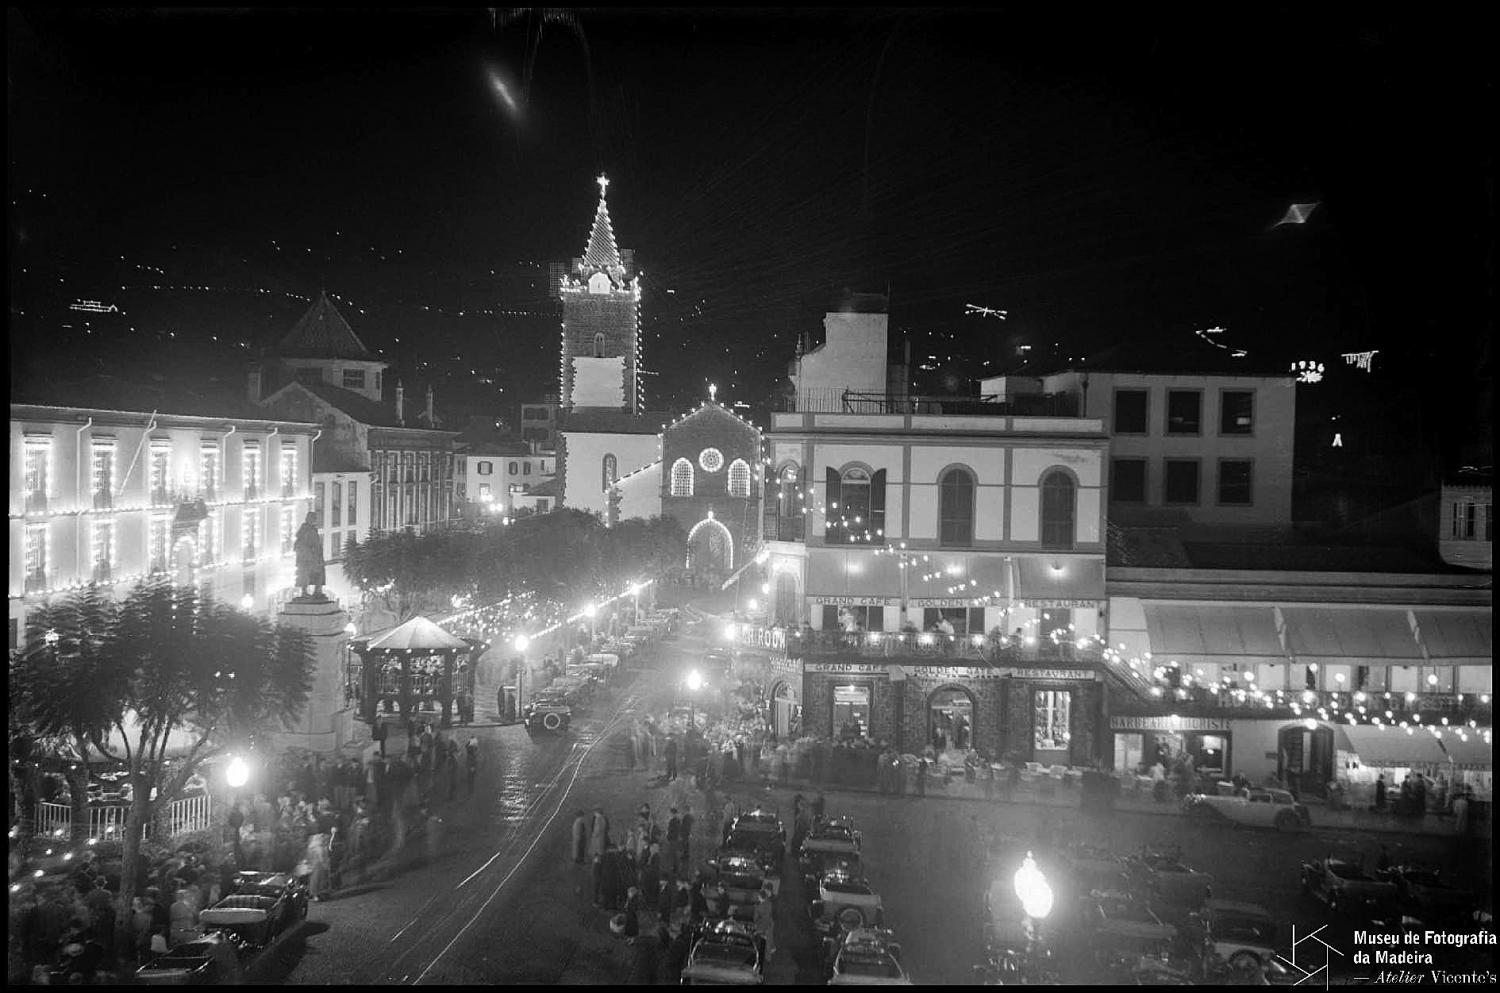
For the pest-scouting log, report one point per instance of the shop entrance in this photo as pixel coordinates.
(785, 713)
(1304, 758)
(851, 711)
(950, 720)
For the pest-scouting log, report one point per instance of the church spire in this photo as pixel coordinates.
(602, 253)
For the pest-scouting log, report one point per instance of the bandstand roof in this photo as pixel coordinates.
(416, 635)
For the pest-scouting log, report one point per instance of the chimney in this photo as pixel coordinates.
(400, 404)
(430, 421)
(253, 387)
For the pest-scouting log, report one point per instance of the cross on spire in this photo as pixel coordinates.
(603, 182)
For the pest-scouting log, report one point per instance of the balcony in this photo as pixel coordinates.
(776, 528)
(835, 401)
(928, 644)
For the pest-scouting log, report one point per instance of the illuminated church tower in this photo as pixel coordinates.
(601, 324)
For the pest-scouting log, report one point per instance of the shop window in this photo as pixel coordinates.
(1127, 482)
(1051, 711)
(1237, 412)
(956, 508)
(1130, 411)
(851, 710)
(1184, 412)
(1057, 510)
(1234, 482)
(1182, 481)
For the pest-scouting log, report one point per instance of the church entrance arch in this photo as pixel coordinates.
(950, 719)
(710, 554)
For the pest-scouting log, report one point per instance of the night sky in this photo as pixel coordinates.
(1104, 182)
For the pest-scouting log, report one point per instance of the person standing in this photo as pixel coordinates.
(672, 855)
(922, 776)
(471, 761)
(765, 922)
(671, 758)
(687, 837)
(598, 833)
(1380, 792)
(451, 767)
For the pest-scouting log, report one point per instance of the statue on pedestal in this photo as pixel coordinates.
(309, 550)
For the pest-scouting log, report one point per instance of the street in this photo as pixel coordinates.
(501, 902)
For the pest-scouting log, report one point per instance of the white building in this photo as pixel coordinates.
(499, 479)
(1466, 514)
(114, 496)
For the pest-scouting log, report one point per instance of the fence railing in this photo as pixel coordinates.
(839, 401)
(906, 644)
(185, 816)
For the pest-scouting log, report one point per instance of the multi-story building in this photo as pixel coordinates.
(928, 532)
(1185, 449)
(112, 496)
(539, 424)
(499, 477)
(1466, 513)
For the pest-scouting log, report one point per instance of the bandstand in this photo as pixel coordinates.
(416, 673)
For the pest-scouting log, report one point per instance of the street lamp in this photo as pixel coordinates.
(237, 773)
(635, 591)
(589, 612)
(694, 684)
(1036, 902)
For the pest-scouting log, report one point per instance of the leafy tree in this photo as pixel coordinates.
(184, 678)
(410, 573)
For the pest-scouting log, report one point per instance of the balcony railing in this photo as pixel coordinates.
(930, 644)
(776, 528)
(836, 401)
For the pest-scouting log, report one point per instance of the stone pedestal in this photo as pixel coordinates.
(326, 722)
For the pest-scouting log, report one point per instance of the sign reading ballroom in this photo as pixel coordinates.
(1169, 723)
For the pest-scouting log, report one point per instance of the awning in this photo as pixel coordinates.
(857, 572)
(1220, 635)
(955, 574)
(1352, 636)
(1042, 581)
(1382, 746)
(1475, 753)
(1457, 637)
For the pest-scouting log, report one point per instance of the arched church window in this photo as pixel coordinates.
(682, 478)
(599, 345)
(739, 478)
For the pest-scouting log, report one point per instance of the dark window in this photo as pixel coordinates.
(319, 494)
(1130, 411)
(336, 516)
(956, 508)
(1184, 412)
(856, 507)
(1234, 482)
(515, 470)
(486, 468)
(525, 468)
(354, 379)
(353, 515)
(1182, 480)
(1127, 482)
(1057, 511)
(599, 345)
(1237, 412)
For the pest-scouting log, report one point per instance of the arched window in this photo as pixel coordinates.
(610, 472)
(1057, 510)
(855, 511)
(956, 508)
(682, 478)
(599, 345)
(739, 478)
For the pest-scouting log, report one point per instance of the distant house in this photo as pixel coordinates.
(1466, 514)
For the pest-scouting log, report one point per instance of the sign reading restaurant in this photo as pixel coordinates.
(1170, 722)
(1060, 604)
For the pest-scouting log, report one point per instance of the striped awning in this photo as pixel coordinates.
(1204, 633)
(1474, 753)
(1457, 637)
(1350, 635)
(1381, 746)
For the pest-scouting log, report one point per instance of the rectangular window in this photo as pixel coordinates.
(354, 379)
(161, 526)
(525, 468)
(1184, 412)
(288, 529)
(1234, 482)
(103, 469)
(851, 710)
(1465, 518)
(36, 558)
(288, 468)
(486, 468)
(336, 515)
(250, 525)
(210, 529)
(1051, 712)
(484, 491)
(353, 516)
(1130, 411)
(1127, 482)
(409, 467)
(38, 473)
(208, 471)
(1237, 412)
(251, 464)
(161, 470)
(104, 549)
(320, 493)
(1182, 481)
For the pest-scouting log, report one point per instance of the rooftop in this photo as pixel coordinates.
(322, 333)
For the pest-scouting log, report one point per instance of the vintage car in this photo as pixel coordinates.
(1255, 808)
(258, 907)
(210, 960)
(865, 957)
(728, 953)
(813, 865)
(548, 715)
(1162, 874)
(760, 847)
(1237, 935)
(1139, 951)
(1340, 881)
(1089, 880)
(836, 834)
(1424, 893)
(576, 690)
(736, 887)
(845, 901)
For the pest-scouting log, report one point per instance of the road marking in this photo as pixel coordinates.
(413, 920)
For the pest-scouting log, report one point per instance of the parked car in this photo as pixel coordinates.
(836, 834)
(1162, 874)
(762, 848)
(1142, 952)
(258, 907)
(548, 715)
(210, 960)
(728, 953)
(813, 866)
(1237, 935)
(1342, 883)
(761, 819)
(736, 887)
(865, 957)
(846, 901)
(1254, 808)
(1425, 893)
